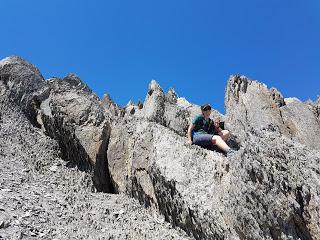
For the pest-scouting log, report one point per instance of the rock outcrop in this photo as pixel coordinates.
(268, 189)
(44, 197)
(169, 110)
(73, 116)
(112, 109)
(251, 105)
(66, 110)
(302, 123)
(166, 109)
(22, 81)
(153, 164)
(275, 188)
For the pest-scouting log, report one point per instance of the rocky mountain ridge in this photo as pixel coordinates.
(269, 189)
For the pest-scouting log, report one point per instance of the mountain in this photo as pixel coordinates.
(76, 166)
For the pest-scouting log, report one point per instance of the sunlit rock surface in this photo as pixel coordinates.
(60, 144)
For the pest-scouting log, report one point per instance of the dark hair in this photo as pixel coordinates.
(205, 107)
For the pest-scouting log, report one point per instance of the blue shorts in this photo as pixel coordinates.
(203, 140)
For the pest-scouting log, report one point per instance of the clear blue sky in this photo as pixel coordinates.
(117, 47)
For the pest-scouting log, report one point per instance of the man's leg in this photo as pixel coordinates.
(203, 140)
(225, 135)
(217, 140)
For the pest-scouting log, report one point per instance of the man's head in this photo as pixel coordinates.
(206, 110)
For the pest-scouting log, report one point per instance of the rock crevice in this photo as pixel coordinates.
(77, 121)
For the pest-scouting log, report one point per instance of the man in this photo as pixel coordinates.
(202, 131)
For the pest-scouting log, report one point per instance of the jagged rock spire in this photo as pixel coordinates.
(171, 96)
(153, 87)
(249, 104)
(23, 81)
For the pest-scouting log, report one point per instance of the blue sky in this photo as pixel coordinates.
(117, 47)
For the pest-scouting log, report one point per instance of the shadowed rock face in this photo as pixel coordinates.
(23, 81)
(66, 110)
(72, 114)
(275, 188)
(43, 197)
(268, 189)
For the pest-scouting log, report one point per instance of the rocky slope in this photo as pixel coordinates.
(269, 189)
(44, 195)
(60, 144)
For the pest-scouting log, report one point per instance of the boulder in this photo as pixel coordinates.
(133, 110)
(302, 122)
(169, 110)
(154, 104)
(37, 202)
(73, 115)
(23, 82)
(112, 109)
(186, 184)
(276, 188)
(267, 190)
(250, 104)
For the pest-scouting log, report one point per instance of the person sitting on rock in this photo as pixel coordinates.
(205, 132)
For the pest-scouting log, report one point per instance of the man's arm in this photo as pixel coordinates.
(190, 129)
(219, 130)
(217, 127)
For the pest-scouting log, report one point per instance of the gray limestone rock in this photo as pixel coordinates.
(275, 188)
(190, 185)
(23, 82)
(73, 115)
(291, 100)
(169, 110)
(250, 104)
(186, 184)
(36, 203)
(112, 109)
(65, 109)
(267, 190)
(154, 104)
(132, 110)
(171, 96)
(302, 122)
